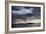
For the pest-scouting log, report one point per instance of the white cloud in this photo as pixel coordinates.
(24, 11)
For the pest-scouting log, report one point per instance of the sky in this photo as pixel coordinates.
(19, 10)
(23, 11)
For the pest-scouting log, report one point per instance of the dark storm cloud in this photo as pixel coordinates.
(22, 10)
(25, 10)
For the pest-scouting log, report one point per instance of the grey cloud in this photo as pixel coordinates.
(23, 11)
